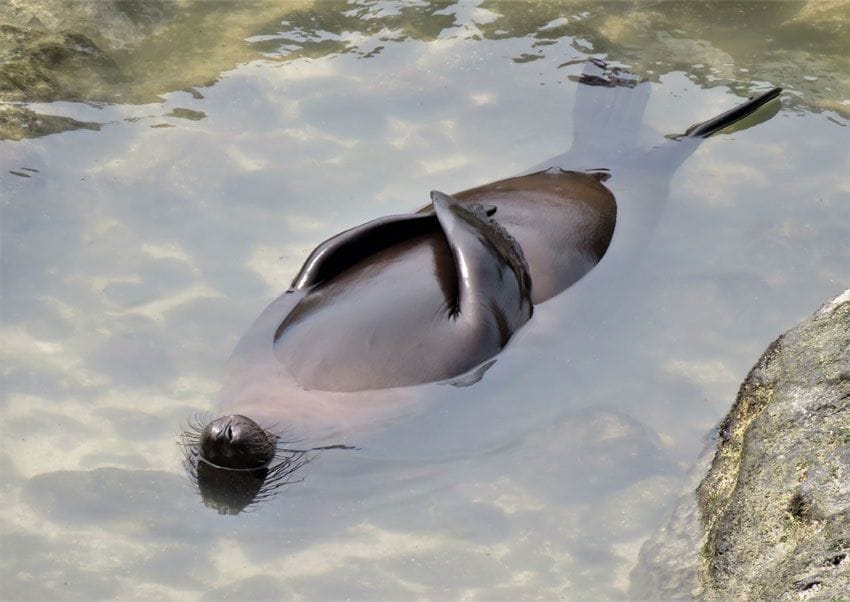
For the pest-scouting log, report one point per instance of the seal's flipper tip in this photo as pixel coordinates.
(441, 198)
(597, 72)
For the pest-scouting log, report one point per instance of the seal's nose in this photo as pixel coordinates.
(222, 433)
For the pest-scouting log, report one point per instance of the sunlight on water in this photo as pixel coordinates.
(153, 208)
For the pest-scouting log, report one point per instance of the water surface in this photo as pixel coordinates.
(135, 254)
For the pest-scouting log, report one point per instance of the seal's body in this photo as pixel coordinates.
(434, 295)
(426, 297)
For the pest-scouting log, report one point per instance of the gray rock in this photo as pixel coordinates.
(771, 518)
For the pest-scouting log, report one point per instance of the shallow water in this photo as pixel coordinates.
(135, 256)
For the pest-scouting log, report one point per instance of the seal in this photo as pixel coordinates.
(467, 282)
(433, 295)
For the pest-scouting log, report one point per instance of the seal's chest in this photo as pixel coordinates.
(380, 324)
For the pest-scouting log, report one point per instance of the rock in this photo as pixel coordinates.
(43, 66)
(669, 560)
(116, 51)
(771, 518)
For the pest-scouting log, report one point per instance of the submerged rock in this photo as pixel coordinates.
(41, 66)
(17, 123)
(771, 518)
(37, 65)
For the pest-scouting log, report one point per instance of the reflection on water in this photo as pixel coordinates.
(134, 51)
(133, 258)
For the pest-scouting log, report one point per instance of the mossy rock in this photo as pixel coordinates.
(41, 66)
(771, 518)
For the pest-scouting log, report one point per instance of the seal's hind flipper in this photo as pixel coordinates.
(734, 115)
(494, 286)
(597, 72)
(607, 118)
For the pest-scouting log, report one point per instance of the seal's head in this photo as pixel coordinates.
(235, 463)
(236, 441)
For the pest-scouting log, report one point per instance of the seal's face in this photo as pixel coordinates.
(236, 441)
(236, 463)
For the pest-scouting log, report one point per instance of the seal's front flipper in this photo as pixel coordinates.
(470, 378)
(342, 251)
(494, 286)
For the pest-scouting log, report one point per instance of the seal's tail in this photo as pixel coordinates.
(724, 120)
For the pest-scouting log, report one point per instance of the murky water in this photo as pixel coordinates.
(135, 255)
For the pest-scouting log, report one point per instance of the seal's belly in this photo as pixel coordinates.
(385, 322)
(564, 222)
